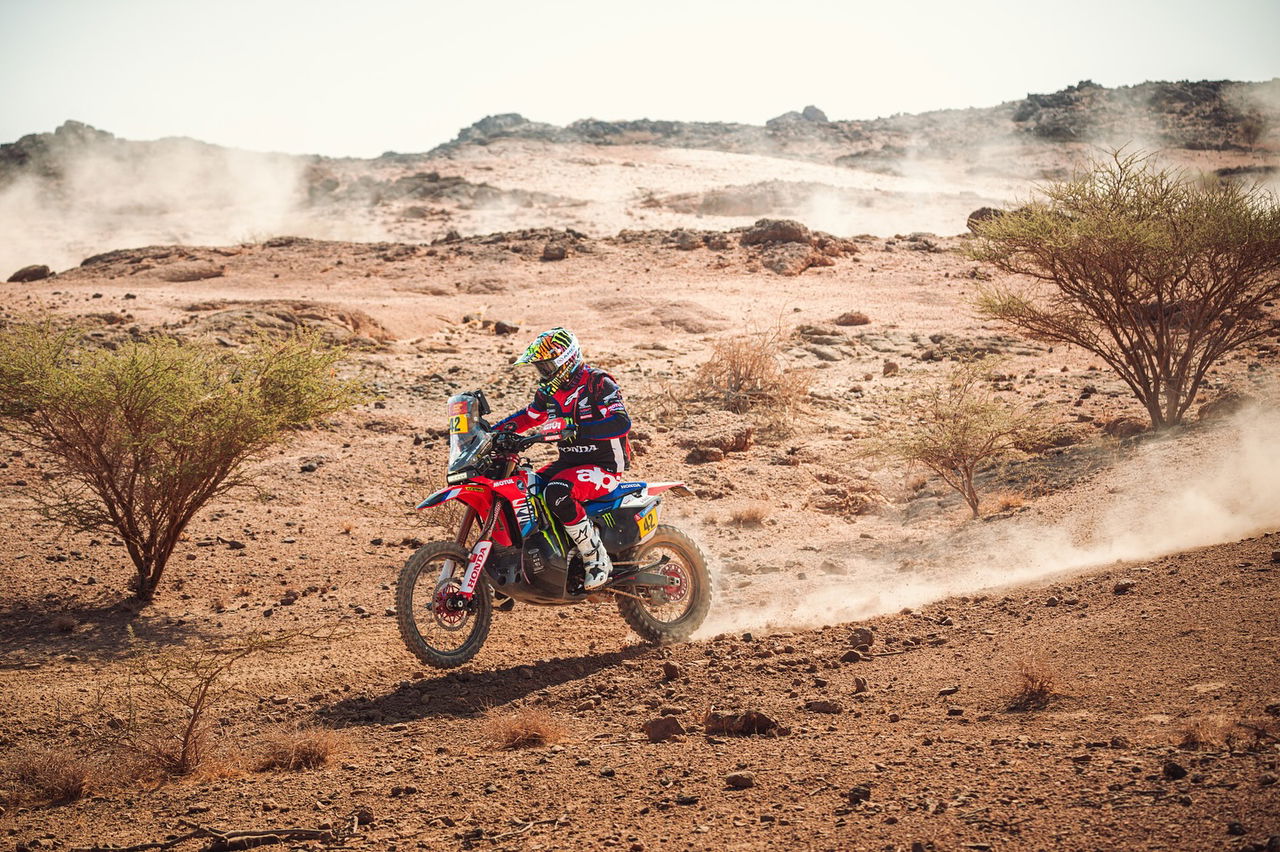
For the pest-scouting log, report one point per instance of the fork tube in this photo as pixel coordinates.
(464, 529)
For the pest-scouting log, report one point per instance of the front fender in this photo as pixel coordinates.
(475, 496)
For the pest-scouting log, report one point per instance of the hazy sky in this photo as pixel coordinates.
(360, 78)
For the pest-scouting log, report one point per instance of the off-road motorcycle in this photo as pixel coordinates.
(445, 596)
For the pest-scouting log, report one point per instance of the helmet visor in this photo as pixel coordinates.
(546, 369)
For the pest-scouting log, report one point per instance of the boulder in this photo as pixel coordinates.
(663, 728)
(770, 231)
(554, 251)
(35, 272)
(1124, 427)
(1224, 406)
(792, 258)
(983, 214)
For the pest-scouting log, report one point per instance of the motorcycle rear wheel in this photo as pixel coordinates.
(440, 636)
(669, 614)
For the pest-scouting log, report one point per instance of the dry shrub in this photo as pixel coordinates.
(52, 776)
(955, 427)
(750, 516)
(523, 728)
(299, 747)
(1036, 684)
(745, 375)
(1005, 501)
(64, 623)
(1221, 733)
(165, 714)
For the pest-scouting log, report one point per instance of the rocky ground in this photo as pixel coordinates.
(1133, 576)
(909, 743)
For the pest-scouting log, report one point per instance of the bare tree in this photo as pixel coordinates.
(954, 427)
(139, 439)
(1157, 274)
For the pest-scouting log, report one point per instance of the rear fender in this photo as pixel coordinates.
(679, 489)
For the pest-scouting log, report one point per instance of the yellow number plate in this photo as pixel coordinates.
(458, 424)
(648, 521)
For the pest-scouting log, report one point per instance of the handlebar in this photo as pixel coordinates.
(510, 442)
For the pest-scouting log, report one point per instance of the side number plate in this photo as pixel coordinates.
(648, 521)
(458, 424)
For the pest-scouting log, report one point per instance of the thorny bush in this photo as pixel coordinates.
(954, 427)
(1156, 273)
(140, 438)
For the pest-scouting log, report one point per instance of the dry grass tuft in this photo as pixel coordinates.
(64, 623)
(1035, 686)
(55, 777)
(745, 375)
(750, 516)
(1005, 501)
(300, 747)
(523, 728)
(1221, 733)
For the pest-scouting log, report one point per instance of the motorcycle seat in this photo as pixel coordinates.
(614, 498)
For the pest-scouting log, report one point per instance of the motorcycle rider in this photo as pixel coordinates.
(594, 449)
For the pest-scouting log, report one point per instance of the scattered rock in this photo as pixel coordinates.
(741, 724)
(27, 274)
(852, 318)
(663, 728)
(503, 328)
(890, 367)
(861, 636)
(860, 793)
(1173, 771)
(859, 685)
(554, 251)
(740, 780)
(1052, 601)
(232, 544)
(364, 816)
(852, 656)
(823, 705)
(671, 670)
(791, 259)
(308, 467)
(704, 455)
(948, 690)
(1123, 588)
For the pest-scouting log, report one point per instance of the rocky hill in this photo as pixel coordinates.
(1217, 115)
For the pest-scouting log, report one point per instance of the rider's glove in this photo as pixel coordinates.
(569, 433)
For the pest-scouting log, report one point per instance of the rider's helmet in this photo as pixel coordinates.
(557, 356)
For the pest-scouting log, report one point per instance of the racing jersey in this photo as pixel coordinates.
(593, 404)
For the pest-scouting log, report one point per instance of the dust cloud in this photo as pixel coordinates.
(108, 194)
(1177, 493)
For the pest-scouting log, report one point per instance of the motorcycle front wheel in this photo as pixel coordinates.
(437, 623)
(667, 614)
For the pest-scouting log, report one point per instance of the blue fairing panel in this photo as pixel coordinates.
(614, 498)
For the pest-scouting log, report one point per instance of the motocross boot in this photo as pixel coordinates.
(595, 559)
